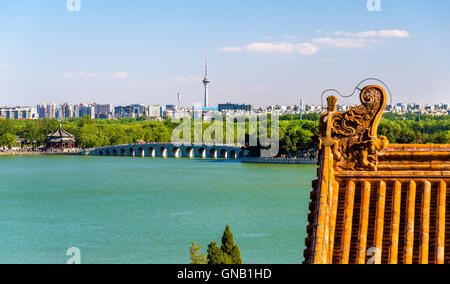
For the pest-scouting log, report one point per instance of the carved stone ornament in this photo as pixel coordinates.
(352, 135)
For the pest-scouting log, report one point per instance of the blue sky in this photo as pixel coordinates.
(260, 52)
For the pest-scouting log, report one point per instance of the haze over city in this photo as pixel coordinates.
(259, 52)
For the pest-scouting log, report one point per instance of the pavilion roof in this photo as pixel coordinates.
(60, 133)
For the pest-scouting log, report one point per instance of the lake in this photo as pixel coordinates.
(145, 210)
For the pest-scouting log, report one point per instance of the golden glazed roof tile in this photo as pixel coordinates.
(375, 202)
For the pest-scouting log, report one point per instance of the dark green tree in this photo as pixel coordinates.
(236, 257)
(215, 254)
(227, 241)
(228, 253)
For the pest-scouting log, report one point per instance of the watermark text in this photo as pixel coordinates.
(74, 255)
(73, 5)
(374, 5)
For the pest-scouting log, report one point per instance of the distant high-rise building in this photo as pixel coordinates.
(104, 111)
(235, 107)
(51, 110)
(18, 113)
(87, 110)
(131, 111)
(301, 109)
(154, 111)
(206, 83)
(42, 110)
(171, 107)
(123, 111)
(59, 113)
(67, 110)
(139, 110)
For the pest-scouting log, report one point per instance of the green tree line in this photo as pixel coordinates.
(295, 135)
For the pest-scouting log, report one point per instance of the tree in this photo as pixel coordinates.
(227, 240)
(228, 253)
(8, 140)
(296, 136)
(196, 256)
(236, 255)
(229, 248)
(215, 254)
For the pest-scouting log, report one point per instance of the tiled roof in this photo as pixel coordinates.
(374, 202)
(60, 133)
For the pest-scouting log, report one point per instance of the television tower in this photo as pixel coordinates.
(206, 83)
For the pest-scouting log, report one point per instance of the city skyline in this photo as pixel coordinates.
(109, 111)
(266, 53)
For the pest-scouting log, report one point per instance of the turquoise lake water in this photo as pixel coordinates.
(144, 210)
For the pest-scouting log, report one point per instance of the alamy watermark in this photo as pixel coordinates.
(74, 255)
(374, 5)
(73, 5)
(260, 131)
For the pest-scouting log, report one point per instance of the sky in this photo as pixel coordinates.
(259, 52)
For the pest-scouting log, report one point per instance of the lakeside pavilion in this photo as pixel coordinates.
(60, 139)
(375, 202)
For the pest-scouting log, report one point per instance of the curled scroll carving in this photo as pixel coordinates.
(352, 135)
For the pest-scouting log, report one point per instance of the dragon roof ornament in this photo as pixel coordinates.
(352, 135)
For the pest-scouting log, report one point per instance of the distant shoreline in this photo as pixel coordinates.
(278, 161)
(12, 153)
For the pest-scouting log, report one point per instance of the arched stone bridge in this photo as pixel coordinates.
(171, 150)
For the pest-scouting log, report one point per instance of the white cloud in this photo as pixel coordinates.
(268, 38)
(361, 39)
(120, 75)
(336, 39)
(376, 34)
(282, 48)
(4, 66)
(344, 42)
(82, 75)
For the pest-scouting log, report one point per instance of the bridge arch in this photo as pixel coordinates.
(202, 153)
(190, 152)
(176, 152)
(163, 152)
(213, 153)
(223, 154)
(172, 150)
(151, 152)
